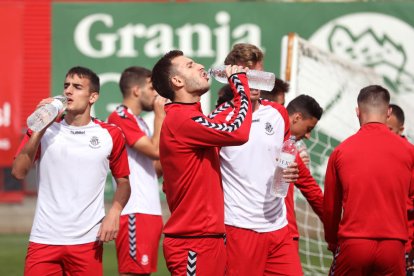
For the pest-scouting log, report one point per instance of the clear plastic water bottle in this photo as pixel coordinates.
(303, 152)
(45, 114)
(287, 155)
(257, 79)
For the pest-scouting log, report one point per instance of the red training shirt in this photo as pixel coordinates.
(369, 176)
(189, 157)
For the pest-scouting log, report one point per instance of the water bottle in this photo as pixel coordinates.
(287, 156)
(303, 152)
(45, 114)
(260, 80)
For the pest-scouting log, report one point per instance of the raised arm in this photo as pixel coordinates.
(149, 146)
(26, 155)
(28, 149)
(202, 131)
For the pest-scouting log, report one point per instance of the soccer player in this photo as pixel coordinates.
(141, 219)
(258, 239)
(194, 234)
(73, 155)
(304, 113)
(395, 123)
(368, 179)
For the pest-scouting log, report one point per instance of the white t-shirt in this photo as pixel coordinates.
(72, 165)
(247, 173)
(144, 197)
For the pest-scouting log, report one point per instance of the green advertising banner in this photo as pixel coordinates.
(108, 37)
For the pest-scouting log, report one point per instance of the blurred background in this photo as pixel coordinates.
(337, 42)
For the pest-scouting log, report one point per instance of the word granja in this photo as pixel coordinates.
(195, 40)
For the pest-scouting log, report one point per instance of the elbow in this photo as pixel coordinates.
(239, 140)
(155, 155)
(244, 138)
(128, 191)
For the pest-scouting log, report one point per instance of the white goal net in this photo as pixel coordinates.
(335, 83)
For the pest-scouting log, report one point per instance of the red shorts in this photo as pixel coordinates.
(195, 256)
(252, 253)
(369, 257)
(75, 260)
(137, 243)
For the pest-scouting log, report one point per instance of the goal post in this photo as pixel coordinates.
(335, 83)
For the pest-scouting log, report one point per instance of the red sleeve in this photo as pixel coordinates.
(118, 159)
(222, 113)
(24, 141)
(127, 123)
(310, 188)
(201, 131)
(332, 202)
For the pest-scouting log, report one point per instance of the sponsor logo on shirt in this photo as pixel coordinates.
(94, 142)
(269, 129)
(77, 132)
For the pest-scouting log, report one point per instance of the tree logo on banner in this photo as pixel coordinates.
(376, 40)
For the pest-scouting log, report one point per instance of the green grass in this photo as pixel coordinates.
(13, 252)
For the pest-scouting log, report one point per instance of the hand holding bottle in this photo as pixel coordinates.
(291, 173)
(286, 169)
(260, 80)
(46, 112)
(233, 69)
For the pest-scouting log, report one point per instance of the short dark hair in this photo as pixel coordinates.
(244, 54)
(374, 96)
(225, 94)
(132, 76)
(398, 113)
(306, 105)
(84, 72)
(161, 74)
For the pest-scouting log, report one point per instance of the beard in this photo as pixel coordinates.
(148, 107)
(196, 86)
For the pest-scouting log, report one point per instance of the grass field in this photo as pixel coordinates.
(13, 251)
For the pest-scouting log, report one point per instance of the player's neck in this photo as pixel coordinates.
(133, 105)
(183, 96)
(372, 118)
(78, 119)
(255, 105)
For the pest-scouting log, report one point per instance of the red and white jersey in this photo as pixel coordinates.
(247, 172)
(189, 157)
(72, 166)
(143, 179)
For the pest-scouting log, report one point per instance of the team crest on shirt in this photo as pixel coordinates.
(144, 259)
(269, 129)
(94, 142)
